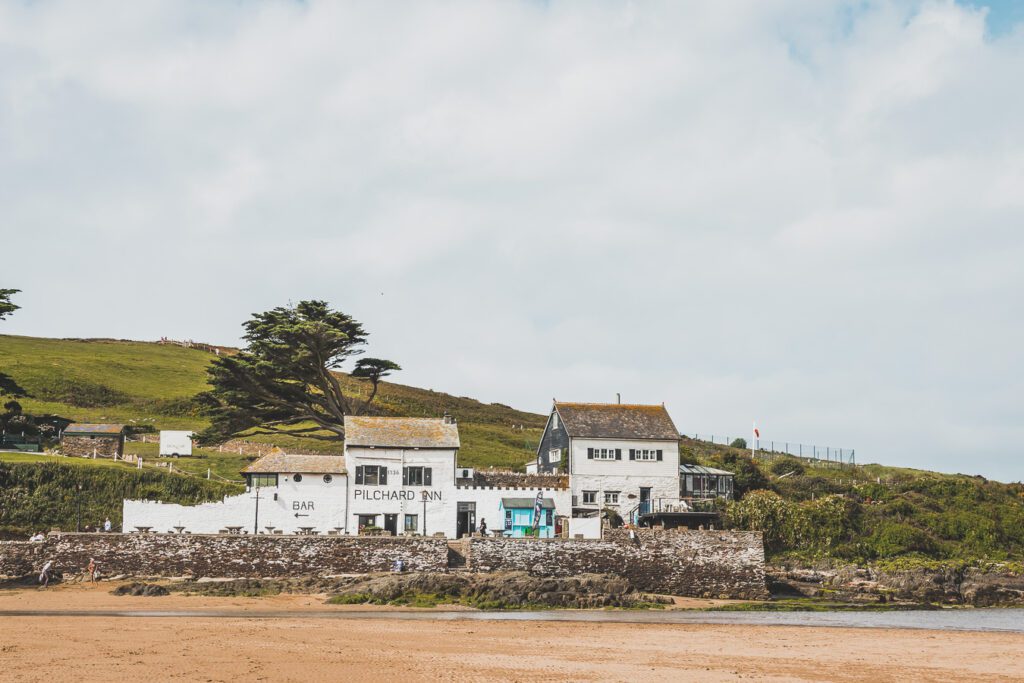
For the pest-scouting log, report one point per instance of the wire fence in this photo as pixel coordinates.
(770, 449)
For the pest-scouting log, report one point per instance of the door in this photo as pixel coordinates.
(645, 500)
(466, 521)
(391, 524)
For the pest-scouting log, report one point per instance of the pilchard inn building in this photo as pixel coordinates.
(401, 476)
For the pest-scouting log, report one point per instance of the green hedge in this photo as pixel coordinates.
(37, 496)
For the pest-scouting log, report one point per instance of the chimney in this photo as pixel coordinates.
(448, 419)
(618, 398)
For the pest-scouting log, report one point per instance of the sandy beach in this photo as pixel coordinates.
(56, 648)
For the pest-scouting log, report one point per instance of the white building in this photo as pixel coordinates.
(622, 457)
(398, 475)
(286, 494)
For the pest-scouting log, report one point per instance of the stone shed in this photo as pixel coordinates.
(88, 440)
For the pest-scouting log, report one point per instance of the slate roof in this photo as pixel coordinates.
(700, 469)
(616, 421)
(401, 432)
(520, 503)
(84, 428)
(279, 462)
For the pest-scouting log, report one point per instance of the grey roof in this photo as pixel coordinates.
(700, 469)
(84, 428)
(617, 421)
(279, 462)
(401, 432)
(520, 503)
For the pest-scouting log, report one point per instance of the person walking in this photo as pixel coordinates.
(483, 526)
(44, 574)
(92, 570)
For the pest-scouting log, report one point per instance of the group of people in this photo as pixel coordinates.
(46, 573)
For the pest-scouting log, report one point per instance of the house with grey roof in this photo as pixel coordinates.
(618, 456)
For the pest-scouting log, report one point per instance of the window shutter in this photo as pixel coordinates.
(659, 456)
(618, 454)
(359, 474)
(428, 476)
(574, 501)
(590, 454)
(405, 476)
(382, 475)
(632, 454)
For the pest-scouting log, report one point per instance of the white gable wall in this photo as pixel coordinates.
(625, 476)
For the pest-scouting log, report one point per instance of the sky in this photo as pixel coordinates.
(804, 213)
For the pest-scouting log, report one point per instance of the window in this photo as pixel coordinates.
(297, 478)
(262, 480)
(555, 456)
(367, 520)
(549, 517)
(554, 421)
(611, 497)
(604, 454)
(371, 475)
(644, 454)
(412, 522)
(590, 497)
(508, 520)
(417, 476)
(328, 479)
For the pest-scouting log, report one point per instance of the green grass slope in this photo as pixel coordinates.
(869, 513)
(141, 383)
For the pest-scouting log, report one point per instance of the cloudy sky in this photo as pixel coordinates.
(805, 213)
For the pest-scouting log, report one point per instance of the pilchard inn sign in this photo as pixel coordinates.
(385, 494)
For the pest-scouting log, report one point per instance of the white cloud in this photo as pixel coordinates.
(803, 212)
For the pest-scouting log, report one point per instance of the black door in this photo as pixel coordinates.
(466, 520)
(645, 500)
(391, 524)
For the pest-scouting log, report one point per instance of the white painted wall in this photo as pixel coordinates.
(317, 504)
(625, 476)
(488, 503)
(588, 527)
(174, 442)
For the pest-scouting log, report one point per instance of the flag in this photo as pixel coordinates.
(757, 432)
(536, 509)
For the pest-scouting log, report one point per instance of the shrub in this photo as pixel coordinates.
(739, 443)
(787, 465)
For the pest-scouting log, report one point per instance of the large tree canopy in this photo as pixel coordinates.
(283, 382)
(6, 307)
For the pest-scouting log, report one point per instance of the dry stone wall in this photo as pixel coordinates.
(692, 563)
(223, 556)
(84, 446)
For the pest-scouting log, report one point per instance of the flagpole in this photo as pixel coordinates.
(753, 439)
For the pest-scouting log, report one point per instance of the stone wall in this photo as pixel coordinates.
(83, 446)
(222, 556)
(509, 479)
(692, 563)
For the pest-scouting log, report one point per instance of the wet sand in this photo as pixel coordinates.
(57, 648)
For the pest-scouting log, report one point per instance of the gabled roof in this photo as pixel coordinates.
(84, 428)
(279, 462)
(520, 503)
(616, 421)
(401, 432)
(701, 469)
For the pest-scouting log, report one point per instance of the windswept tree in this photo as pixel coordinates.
(284, 381)
(6, 307)
(8, 387)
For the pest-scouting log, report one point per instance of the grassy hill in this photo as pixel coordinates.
(148, 384)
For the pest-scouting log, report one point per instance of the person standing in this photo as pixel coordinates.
(92, 570)
(106, 525)
(483, 526)
(44, 574)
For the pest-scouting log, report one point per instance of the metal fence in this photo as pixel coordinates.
(770, 448)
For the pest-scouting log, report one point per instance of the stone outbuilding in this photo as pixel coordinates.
(93, 440)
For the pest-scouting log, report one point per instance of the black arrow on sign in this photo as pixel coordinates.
(298, 515)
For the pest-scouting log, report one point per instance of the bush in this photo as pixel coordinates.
(739, 443)
(787, 465)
